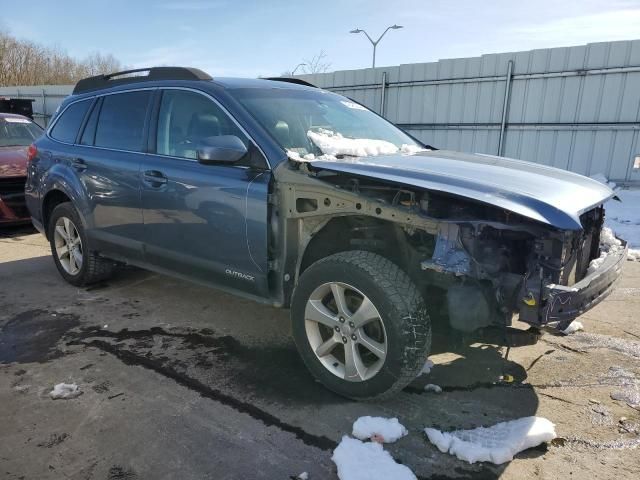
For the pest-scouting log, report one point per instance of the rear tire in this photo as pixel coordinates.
(70, 248)
(360, 353)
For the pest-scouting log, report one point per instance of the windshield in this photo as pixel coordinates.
(18, 132)
(309, 124)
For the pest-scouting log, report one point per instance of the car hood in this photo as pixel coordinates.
(545, 194)
(13, 161)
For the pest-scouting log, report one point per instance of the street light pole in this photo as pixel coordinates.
(375, 43)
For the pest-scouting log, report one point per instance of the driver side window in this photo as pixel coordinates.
(186, 119)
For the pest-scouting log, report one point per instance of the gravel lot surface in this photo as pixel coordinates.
(181, 381)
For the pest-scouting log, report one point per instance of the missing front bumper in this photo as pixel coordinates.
(562, 304)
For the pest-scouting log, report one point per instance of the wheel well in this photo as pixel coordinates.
(51, 201)
(359, 233)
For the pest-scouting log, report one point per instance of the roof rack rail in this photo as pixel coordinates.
(139, 75)
(297, 81)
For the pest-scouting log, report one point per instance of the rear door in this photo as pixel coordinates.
(107, 158)
(207, 222)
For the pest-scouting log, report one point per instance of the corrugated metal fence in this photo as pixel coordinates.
(46, 99)
(576, 108)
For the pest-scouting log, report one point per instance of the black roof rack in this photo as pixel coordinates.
(138, 75)
(297, 81)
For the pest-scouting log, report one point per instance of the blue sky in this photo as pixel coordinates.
(251, 38)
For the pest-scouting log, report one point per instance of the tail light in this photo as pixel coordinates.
(32, 151)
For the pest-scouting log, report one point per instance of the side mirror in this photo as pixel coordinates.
(221, 149)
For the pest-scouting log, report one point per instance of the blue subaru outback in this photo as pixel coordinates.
(301, 198)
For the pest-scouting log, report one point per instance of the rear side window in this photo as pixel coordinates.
(121, 122)
(67, 126)
(89, 133)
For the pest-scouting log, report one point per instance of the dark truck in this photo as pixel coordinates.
(301, 198)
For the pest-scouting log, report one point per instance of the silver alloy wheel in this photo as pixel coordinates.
(345, 331)
(68, 245)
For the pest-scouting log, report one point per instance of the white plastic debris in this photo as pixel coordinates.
(303, 476)
(573, 327)
(430, 387)
(65, 391)
(379, 429)
(426, 369)
(358, 460)
(497, 444)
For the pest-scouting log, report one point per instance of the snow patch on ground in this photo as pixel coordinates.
(623, 217)
(379, 429)
(497, 444)
(358, 460)
(573, 327)
(426, 369)
(430, 387)
(65, 391)
(303, 476)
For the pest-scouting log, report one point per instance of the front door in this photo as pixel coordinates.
(207, 222)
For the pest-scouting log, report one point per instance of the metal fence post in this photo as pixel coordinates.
(505, 107)
(44, 108)
(383, 90)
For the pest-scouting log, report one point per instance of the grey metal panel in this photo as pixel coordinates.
(630, 102)
(570, 107)
(47, 98)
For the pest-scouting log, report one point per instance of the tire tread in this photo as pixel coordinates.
(405, 299)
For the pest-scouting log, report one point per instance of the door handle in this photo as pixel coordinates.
(154, 178)
(79, 164)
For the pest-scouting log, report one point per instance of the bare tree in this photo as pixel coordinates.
(27, 63)
(316, 64)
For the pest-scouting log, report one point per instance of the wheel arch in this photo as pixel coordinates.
(51, 200)
(355, 232)
(61, 186)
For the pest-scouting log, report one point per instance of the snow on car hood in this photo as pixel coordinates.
(545, 194)
(333, 143)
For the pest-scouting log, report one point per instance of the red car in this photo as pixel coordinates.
(16, 134)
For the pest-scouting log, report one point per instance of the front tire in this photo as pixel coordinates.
(360, 325)
(70, 248)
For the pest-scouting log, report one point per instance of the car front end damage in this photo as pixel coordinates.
(558, 289)
(547, 277)
(488, 264)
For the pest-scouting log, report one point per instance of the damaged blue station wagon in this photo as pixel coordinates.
(301, 198)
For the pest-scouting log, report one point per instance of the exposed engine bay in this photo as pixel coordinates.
(488, 263)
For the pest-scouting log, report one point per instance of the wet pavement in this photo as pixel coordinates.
(181, 381)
